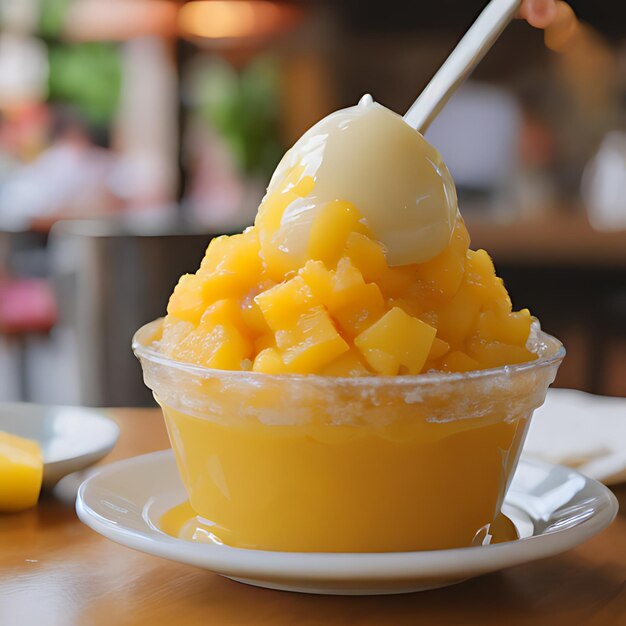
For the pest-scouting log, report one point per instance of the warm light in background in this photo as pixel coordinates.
(119, 20)
(233, 19)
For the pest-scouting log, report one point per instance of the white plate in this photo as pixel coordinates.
(71, 438)
(553, 508)
(581, 430)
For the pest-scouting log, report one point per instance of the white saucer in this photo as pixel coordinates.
(554, 509)
(71, 438)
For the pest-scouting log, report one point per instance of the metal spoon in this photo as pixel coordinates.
(464, 58)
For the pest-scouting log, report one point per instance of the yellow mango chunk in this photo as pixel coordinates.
(445, 271)
(382, 362)
(187, 302)
(278, 262)
(224, 312)
(318, 278)
(231, 265)
(253, 317)
(360, 311)
(174, 331)
(353, 304)
(457, 318)
(238, 254)
(222, 346)
(367, 255)
(311, 343)
(283, 304)
(21, 472)
(495, 353)
(273, 205)
(480, 275)
(458, 361)
(405, 339)
(331, 228)
(395, 282)
(269, 361)
(348, 364)
(511, 328)
(438, 349)
(404, 304)
(343, 279)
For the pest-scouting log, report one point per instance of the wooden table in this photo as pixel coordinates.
(54, 571)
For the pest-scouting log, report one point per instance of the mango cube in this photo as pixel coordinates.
(173, 332)
(344, 278)
(353, 303)
(330, 231)
(360, 311)
(269, 361)
(187, 302)
(445, 272)
(318, 278)
(253, 317)
(312, 342)
(405, 339)
(367, 255)
(456, 319)
(511, 328)
(495, 353)
(395, 282)
(222, 346)
(283, 304)
(349, 364)
(224, 312)
(278, 263)
(235, 254)
(457, 361)
(229, 268)
(231, 265)
(21, 472)
(480, 274)
(438, 349)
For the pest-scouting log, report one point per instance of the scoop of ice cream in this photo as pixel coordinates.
(367, 155)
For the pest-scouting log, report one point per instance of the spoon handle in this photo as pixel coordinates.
(481, 35)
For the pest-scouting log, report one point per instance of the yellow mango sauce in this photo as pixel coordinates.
(409, 485)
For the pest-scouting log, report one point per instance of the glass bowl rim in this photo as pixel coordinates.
(143, 351)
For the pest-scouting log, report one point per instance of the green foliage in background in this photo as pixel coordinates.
(52, 16)
(87, 75)
(244, 108)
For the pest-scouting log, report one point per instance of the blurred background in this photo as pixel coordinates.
(132, 131)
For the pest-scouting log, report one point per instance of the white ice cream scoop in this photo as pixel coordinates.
(368, 156)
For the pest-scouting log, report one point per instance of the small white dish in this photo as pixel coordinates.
(583, 431)
(71, 438)
(553, 508)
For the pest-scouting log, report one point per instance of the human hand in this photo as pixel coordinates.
(555, 17)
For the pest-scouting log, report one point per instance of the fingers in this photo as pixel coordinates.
(554, 16)
(539, 13)
(563, 28)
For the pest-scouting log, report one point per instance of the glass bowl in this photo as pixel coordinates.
(324, 464)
